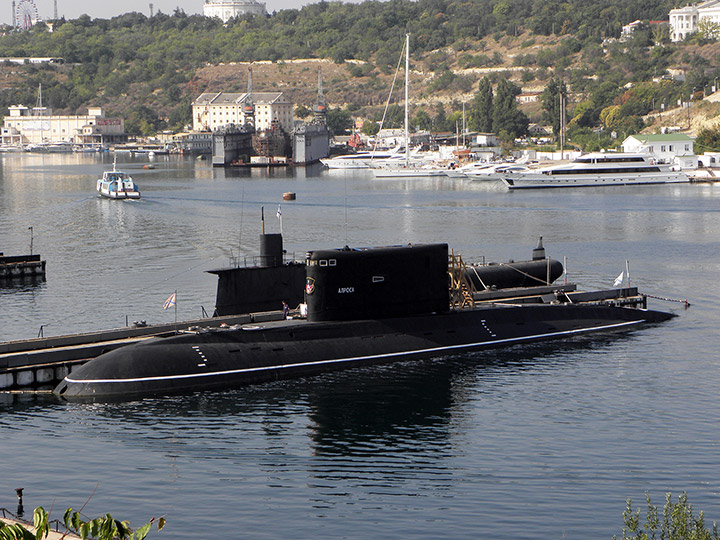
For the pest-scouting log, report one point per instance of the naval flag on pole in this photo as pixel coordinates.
(170, 302)
(618, 280)
(279, 216)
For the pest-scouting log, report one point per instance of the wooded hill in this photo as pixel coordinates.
(150, 69)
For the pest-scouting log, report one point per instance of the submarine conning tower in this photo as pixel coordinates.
(263, 287)
(271, 250)
(539, 252)
(376, 283)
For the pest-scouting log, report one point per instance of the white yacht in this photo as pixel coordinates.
(117, 185)
(410, 170)
(598, 169)
(361, 160)
(493, 171)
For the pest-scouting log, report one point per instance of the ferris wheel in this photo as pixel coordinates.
(26, 14)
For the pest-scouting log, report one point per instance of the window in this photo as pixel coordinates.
(662, 148)
(670, 148)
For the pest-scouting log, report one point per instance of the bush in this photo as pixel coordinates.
(678, 522)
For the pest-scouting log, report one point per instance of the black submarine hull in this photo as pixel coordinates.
(222, 358)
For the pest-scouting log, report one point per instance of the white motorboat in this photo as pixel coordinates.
(117, 185)
(409, 171)
(598, 169)
(492, 171)
(361, 160)
(50, 148)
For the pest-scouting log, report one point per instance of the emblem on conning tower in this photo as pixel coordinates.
(309, 285)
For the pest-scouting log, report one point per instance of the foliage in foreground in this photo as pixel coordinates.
(676, 523)
(101, 528)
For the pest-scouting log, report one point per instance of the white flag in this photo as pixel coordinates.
(279, 212)
(618, 280)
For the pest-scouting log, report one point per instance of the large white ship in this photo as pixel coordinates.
(598, 169)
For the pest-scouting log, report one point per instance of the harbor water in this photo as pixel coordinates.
(534, 441)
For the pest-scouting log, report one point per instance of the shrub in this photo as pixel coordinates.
(676, 523)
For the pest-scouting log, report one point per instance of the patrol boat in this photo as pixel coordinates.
(363, 306)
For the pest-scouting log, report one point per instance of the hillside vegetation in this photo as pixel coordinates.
(150, 69)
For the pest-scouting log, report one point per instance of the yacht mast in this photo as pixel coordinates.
(407, 93)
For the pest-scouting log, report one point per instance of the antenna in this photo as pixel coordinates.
(249, 107)
(320, 108)
(321, 96)
(14, 22)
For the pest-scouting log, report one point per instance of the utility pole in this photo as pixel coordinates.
(151, 11)
(55, 11)
(562, 125)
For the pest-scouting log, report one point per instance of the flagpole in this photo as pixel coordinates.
(627, 271)
(176, 310)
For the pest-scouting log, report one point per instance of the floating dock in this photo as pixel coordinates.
(21, 267)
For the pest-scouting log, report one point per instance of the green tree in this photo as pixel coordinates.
(481, 112)
(439, 121)
(708, 29)
(584, 115)
(507, 118)
(339, 121)
(708, 139)
(422, 121)
(370, 127)
(550, 99)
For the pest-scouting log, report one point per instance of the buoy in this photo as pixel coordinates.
(289, 196)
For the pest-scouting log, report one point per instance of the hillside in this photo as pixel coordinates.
(148, 70)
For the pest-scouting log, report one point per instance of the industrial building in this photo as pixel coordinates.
(38, 125)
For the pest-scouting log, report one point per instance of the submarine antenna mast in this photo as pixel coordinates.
(407, 94)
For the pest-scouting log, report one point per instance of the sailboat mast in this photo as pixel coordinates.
(407, 94)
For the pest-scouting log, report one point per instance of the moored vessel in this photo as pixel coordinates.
(598, 169)
(362, 306)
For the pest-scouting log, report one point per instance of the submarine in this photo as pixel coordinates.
(360, 306)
